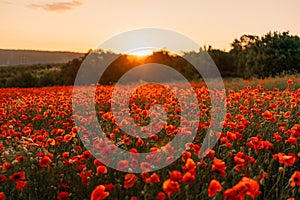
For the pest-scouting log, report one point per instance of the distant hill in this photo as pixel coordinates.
(29, 57)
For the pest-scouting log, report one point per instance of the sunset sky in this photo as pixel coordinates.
(80, 25)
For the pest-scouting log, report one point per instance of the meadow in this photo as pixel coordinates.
(256, 157)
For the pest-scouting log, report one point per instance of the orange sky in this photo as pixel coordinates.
(79, 25)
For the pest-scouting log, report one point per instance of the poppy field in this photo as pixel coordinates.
(257, 155)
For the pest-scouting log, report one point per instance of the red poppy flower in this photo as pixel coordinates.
(176, 175)
(101, 170)
(171, 187)
(67, 138)
(211, 154)
(2, 179)
(295, 179)
(2, 196)
(133, 152)
(129, 180)
(145, 166)
(219, 167)
(245, 187)
(139, 142)
(122, 165)
(188, 178)
(161, 196)
(20, 159)
(230, 193)
(44, 161)
(277, 137)
(85, 175)
(287, 114)
(190, 165)
(291, 140)
(65, 154)
(154, 178)
(97, 162)
(6, 166)
(17, 176)
(252, 187)
(282, 158)
(290, 81)
(109, 187)
(50, 141)
(86, 155)
(81, 167)
(214, 187)
(186, 155)
(268, 115)
(63, 196)
(21, 184)
(99, 193)
(60, 131)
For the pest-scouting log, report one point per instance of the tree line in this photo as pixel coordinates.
(272, 54)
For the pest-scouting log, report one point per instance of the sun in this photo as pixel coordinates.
(141, 52)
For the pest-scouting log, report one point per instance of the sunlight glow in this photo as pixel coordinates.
(141, 52)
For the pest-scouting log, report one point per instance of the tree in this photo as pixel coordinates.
(224, 61)
(69, 71)
(22, 79)
(269, 55)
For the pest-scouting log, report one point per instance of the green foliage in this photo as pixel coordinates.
(224, 61)
(69, 71)
(22, 79)
(270, 55)
(30, 76)
(50, 79)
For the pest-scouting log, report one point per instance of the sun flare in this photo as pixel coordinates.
(141, 52)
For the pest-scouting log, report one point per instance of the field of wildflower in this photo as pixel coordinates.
(256, 157)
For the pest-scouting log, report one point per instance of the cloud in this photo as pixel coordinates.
(6, 3)
(56, 6)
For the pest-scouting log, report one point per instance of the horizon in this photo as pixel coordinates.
(80, 25)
